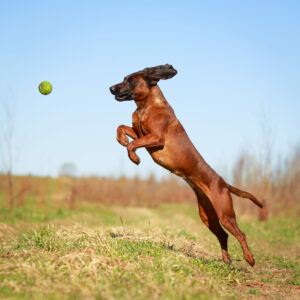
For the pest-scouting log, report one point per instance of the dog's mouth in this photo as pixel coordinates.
(123, 97)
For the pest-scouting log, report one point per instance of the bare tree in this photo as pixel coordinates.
(7, 122)
(69, 170)
(266, 163)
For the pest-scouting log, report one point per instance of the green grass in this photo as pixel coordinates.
(102, 252)
(29, 214)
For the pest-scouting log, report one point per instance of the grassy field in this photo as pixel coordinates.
(102, 252)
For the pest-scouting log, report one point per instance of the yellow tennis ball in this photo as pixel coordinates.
(45, 88)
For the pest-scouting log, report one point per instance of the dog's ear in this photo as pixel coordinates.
(154, 74)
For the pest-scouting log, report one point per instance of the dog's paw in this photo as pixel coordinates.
(123, 140)
(250, 259)
(133, 157)
(226, 257)
(121, 136)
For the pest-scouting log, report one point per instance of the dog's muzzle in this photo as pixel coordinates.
(119, 93)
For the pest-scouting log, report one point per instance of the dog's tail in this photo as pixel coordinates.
(244, 194)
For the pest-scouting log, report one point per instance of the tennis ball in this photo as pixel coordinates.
(45, 88)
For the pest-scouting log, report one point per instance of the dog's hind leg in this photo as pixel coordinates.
(222, 202)
(210, 219)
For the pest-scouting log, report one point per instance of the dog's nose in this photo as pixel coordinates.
(113, 89)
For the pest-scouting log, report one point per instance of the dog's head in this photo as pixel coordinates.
(136, 86)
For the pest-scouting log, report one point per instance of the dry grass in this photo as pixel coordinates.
(100, 252)
(277, 187)
(276, 184)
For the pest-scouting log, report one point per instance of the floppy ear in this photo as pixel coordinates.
(160, 72)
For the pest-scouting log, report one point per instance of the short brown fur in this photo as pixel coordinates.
(155, 127)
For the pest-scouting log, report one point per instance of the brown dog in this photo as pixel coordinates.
(155, 127)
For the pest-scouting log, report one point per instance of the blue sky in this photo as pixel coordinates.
(238, 65)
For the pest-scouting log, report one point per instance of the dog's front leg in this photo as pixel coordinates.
(122, 131)
(149, 140)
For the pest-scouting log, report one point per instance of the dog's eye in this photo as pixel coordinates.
(132, 82)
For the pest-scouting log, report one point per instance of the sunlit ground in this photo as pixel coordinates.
(115, 252)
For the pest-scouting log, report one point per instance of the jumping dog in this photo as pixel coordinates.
(155, 127)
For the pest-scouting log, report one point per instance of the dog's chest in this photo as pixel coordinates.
(138, 120)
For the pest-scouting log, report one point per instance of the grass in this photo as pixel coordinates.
(100, 252)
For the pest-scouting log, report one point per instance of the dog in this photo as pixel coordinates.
(155, 127)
